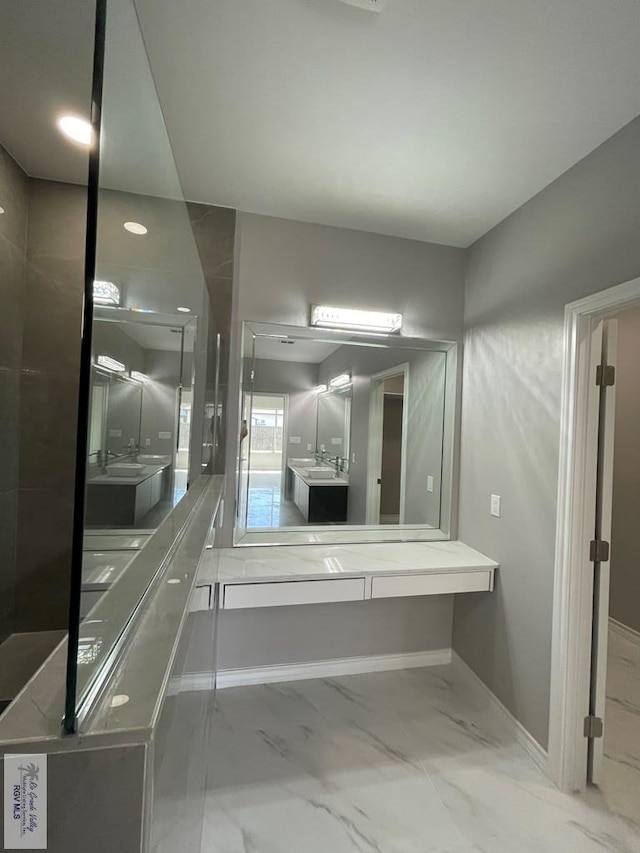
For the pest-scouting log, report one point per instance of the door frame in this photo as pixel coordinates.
(374, 460)
(573, 575)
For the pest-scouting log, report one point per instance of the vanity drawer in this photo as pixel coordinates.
(433, 584)
(281, 593)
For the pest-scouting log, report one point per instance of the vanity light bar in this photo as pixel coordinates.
(140, 377)
(340, 381)
(111, 363)
(319, 389)
(106, 293)
(350, 318)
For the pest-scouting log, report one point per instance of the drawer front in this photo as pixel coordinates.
(239, 595)
(435, 584)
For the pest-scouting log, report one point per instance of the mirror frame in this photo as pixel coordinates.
(342, 534)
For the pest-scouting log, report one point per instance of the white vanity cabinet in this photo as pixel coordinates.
(277, 577)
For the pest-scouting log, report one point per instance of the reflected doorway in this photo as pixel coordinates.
(266, 505)
(388, 446)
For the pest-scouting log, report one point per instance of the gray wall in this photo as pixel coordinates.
(278, 635)
(297, 380)
(160, 401)
(13, 240)
(425, 403)
(282, 267)
(578, 236)
(625, 533)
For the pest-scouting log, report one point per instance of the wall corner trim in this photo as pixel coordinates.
(513, 726)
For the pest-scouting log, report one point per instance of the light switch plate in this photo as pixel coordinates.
(294, 439)
(429, 483)
(336, 440)
(309, 446)
(162, 434)
(495, 506)
(147, 442)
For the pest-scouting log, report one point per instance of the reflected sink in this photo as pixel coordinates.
(125, 469)
(153, 459)
(320, 472)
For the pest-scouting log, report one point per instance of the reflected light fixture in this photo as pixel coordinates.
(135, 228)
(139, 377)
(118, 700)
(106, 293)
(111, 363)
(2, 210)
(78, 129)
(340, 381)
(319, 389)
(354, 319)
(184, 310)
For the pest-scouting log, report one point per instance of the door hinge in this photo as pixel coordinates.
(605, 375)
(598, 551)
(593, 726)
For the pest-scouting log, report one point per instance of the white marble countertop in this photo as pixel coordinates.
(109, 479)
(301, 562)
(298, 470)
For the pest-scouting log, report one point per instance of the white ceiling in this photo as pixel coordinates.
(432, 120)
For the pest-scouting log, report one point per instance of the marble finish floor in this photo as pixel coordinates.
(415, 761)
(621, 766)
(266, 505)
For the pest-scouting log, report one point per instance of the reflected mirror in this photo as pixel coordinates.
(344, 432)
(140, 419)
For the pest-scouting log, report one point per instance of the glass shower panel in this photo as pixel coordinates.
(150, 313)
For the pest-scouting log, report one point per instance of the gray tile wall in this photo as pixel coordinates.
(48, 402)
(13, 228)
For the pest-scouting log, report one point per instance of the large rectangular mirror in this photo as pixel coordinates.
(344, 437)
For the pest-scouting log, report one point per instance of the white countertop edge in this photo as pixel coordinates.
(259, 568)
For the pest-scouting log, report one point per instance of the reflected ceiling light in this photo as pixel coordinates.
(185, 310)
(340, 381)
(76, 128)
(111, 363)
(140, 377)
(106, 293)
(2, 210)
(119, 699)
(351, 318)
(135, 228)
(319, 389)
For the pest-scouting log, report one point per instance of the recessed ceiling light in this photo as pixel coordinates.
(76, 128)
(135, 228)
(184, 310)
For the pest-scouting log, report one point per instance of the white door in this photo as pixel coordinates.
(603, 389)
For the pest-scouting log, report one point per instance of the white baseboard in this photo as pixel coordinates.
(624, 631)
(313, 669)
(520, 734)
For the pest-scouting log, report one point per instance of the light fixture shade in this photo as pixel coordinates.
(106, 293)
(340, 381)
(319, 389)
(352, 318)
(111, 364)
(139, 377)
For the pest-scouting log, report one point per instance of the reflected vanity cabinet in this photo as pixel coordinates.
(320, 504)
